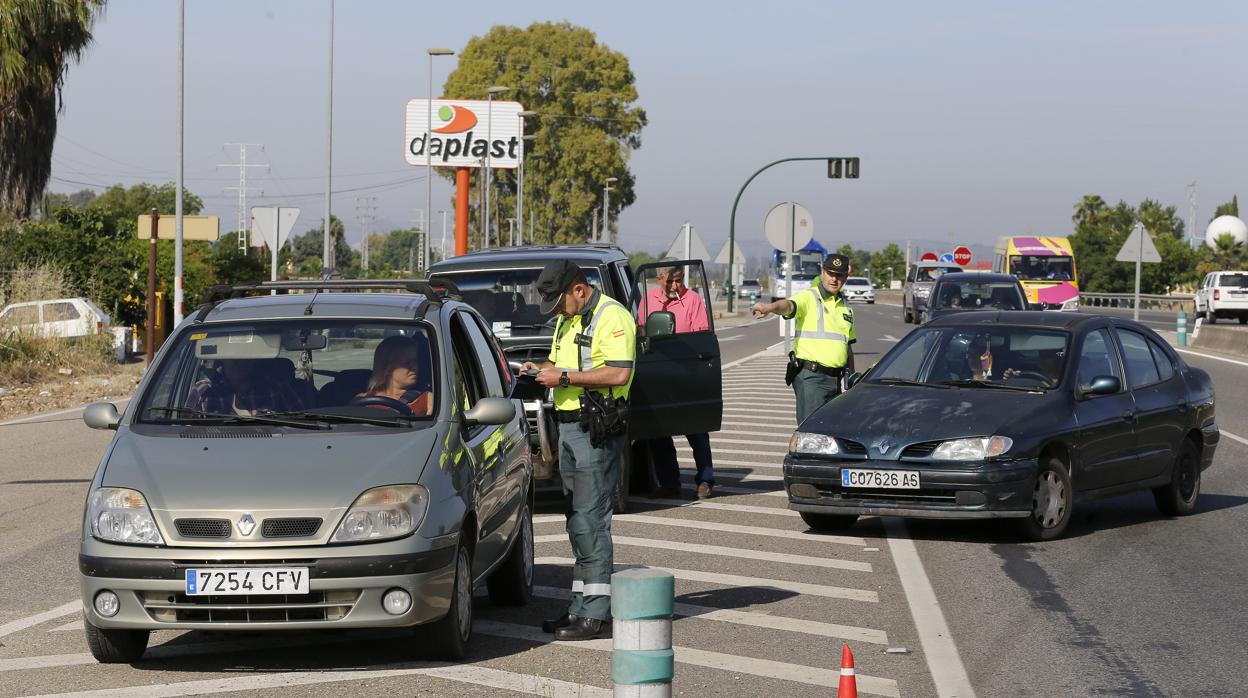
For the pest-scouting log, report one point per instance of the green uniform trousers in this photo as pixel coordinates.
(589, 475)
(813, 390)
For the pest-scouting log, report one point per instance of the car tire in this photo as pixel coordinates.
(619, 496)
(115, 646)
(512, 583)
(1052, 502)
(829, 522)
(1211, 317)
(1243, 319)
(907, 316)
(1178, 498)
(448, 638)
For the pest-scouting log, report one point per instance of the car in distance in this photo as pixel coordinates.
(266, 477)
(858, 288)
(68, 318)
(1016, 415)
(1223, 295)
(918, 285)
(973, 290)
(750, 288)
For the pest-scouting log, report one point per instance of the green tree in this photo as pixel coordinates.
(304, 253)
(231, 265)
(399, 251)
(889, 257)
(1230, 208)
(50, 201)
(126, 204)
(38, 38)
(586, 128)
(1100, 231)
(1227, 254)
(1088, 210)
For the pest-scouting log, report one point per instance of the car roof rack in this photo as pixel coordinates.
(434, 291)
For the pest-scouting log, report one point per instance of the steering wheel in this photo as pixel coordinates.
(383, 401)
(1034, 375)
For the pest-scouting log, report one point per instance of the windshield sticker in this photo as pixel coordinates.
(198, 336)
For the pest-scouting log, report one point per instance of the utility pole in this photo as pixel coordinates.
(421, 226)
(327, 247)
(244, 218)
(365, 207)
(593, 229)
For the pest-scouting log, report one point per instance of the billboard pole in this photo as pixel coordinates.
(461, 211)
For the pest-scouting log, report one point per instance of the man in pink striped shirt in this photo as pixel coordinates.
(687, 306)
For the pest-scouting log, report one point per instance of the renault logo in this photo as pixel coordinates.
(246, 524)
(882, 446)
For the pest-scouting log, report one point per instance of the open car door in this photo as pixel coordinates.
(676, 377)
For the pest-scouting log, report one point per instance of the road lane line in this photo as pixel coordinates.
(729, 489)
(732, 663)
(719, 462)
(58, 413)
(738, 528)
(755, 355)
(1211, 356)
(704, 504)
(745, 432)
(939, 649)
(757, 620)
(23, 623)
(1233, 437)
(686, 451)
(72, 625)
(721, 551)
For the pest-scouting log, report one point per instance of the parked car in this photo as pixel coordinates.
(917, 286)
(265, 477)
(1018, 415)
(64, 317)
(858, 288)
(972, 290)
(676, 381)
(750, 288)
(1223, 294)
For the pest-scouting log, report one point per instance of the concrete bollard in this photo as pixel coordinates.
(642, 661)
(1182, 328)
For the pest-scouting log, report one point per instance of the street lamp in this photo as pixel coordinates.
(428, 155)
(520, 171)
(606, 208)
(489, 139)
(890, 277)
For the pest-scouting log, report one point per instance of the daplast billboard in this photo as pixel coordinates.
(464, 132)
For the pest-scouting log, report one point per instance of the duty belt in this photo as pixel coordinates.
(820, 368)
(567, 416)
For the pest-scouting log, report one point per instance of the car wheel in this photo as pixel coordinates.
(448, 638)
(829, 522)
(619, 497)
(1052, 501)
(512, 583)
(1210, 317)
(1243, 319)
(907, 316)
(1179, 497)
(115, 646)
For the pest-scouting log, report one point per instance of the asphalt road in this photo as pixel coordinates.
(1129, 603)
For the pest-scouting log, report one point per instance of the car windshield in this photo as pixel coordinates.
(508, 299)
(933, 273)
(1233, 281)
(854, 281)
(749, 282)
(1032, 267)
(295, 373)
(983, 357)
(975, 295)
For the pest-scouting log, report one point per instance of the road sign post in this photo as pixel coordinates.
(788, 228)
(1138, 248)
(273, 225)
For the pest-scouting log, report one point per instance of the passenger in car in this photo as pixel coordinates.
(397, 363)
(238, 386)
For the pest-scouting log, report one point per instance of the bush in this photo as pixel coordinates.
(27, 357)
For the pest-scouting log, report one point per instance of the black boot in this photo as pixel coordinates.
(550, 626)
(584, 629)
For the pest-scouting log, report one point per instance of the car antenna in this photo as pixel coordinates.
(317, 292)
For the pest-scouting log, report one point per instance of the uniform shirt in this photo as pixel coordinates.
(688, 308)
(824, 327)
(612, 344)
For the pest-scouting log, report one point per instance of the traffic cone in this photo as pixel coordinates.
(848, 687)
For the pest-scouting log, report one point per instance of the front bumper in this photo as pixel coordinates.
(346, 585)
(947, 491)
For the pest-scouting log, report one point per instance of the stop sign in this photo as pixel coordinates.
(928, 257)
(962, 256)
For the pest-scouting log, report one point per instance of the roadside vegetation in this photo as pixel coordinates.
(26, 357)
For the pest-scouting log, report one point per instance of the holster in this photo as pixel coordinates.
(603, 416)
(791, 371)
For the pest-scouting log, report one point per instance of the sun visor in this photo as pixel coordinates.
(239, 343)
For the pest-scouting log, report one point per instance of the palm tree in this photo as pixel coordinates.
(38, 38)
(1088, 210)
(1228, 253)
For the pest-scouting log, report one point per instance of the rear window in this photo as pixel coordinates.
(508, 298)
(996, 295)
(933, 273)
(857, 282)
(1233, 281)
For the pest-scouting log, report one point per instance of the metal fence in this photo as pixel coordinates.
(1178, 301)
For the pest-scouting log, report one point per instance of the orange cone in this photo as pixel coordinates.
(848, 687)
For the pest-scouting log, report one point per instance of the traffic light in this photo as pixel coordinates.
(847, 166)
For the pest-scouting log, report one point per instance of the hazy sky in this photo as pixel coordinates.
(972, 119)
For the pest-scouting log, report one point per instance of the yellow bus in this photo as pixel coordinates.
(1044, 265)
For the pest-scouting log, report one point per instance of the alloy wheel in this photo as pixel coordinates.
(1049, 500)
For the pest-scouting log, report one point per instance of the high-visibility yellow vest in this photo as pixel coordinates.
(823, 328)
(607, 333)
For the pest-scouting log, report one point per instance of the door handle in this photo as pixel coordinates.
(1128, 416)
(704, 356)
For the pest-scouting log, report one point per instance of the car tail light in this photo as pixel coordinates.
(1217, 294)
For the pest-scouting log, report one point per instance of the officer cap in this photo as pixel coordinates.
(555, 278)
(836, 263)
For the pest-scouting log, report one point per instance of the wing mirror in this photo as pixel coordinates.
(1102, 385)
(490, 410)
(101, 415)
(661, 323)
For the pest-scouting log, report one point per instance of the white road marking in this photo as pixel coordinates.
(757, 620)
(722, 339)
(719, 462)
(889, 338)
(72, 625)
(1211, 356)
(755, 355)
(729, 489)
(58, 413)
(749, 477)
(735, 664)
(784, 420)
(687, 452)
(716, 439)
(738, 581)
(775, 435)
(737, 528)
(705, 504)
(1233, 437)
(23, 623)
(939, 649)
(752, 411)
(721, 551)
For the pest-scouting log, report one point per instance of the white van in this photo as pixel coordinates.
(1223, 294)
(64, 317)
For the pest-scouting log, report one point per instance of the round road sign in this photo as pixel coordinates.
(789, 226)
(946, 258)
(928, 257)
(962, 256)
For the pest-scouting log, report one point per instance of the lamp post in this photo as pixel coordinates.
(606, 208)
(890, 277)
(489, 139)
(443, 212)
(520, 171)
(429, 157)
(523, 147)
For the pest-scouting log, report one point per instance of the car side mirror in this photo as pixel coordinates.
(1102, 385)
(490, 410)
(661, 323)
(854, 379)
(101, 415)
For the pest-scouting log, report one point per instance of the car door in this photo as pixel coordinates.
(1202, 294)
(1160, 402)
(1106, 422)
(676, 374)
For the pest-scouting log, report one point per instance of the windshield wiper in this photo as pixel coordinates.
(280, 420)
(978, 383)
(397, 420)
(906, 381)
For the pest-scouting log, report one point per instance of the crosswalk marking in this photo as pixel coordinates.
(704, 504)
(780, 433)
(731, 474)
(23, 623)
(721, 551)
(688, 452)
(715, 438)
(720, 462)
(729, 489)
(738, 528)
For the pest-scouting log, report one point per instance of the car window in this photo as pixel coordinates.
(1141, 369)
(474, 373)
(998, 295)
(485, 356)
(1239, 280)
(679, 290)
(1165, 366)
(507, 298)
(56, 312)
(21, 315)
(1097, 358)
(857, 282)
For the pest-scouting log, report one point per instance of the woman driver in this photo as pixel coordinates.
(396, 365)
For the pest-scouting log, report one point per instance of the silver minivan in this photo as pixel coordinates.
(329, 459)
(918, 286)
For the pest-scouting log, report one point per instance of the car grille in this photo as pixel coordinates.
(290, 528)
(882, 496)
(852, 448)
(922, 449)
(202, 528)
(177, 607)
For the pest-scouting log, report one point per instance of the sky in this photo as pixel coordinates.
(972, 119)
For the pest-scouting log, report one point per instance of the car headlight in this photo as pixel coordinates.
(384, 512)
(806, 443)
(1072, 304)
(973, 449)
(120, 515)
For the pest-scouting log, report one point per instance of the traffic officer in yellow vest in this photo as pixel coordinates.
(590, 369)
(823, 333)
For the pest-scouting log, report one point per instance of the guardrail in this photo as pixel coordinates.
(1178, 301)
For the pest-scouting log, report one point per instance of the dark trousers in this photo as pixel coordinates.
(813, 390)
(667, 470)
